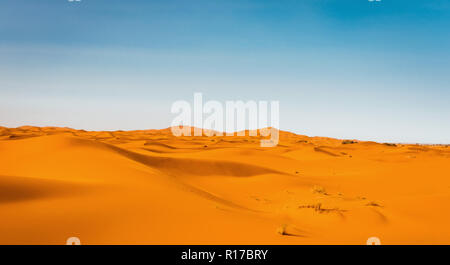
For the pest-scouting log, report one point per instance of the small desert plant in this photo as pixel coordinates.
(319, 189)
(374, 204)
(349, 142)
(282, 230)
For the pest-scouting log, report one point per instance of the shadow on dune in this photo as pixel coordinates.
(321, 150)
(159, 144)
(16, 189)
(195, 166)
(176, 167)
(172, 166)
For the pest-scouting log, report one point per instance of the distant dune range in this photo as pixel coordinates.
(150, 187)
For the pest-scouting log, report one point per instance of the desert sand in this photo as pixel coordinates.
(150, 187)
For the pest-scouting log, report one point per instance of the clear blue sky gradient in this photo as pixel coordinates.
(347, 69)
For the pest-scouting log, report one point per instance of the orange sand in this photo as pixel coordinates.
(149, 187)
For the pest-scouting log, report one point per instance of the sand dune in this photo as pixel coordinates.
(150, 187)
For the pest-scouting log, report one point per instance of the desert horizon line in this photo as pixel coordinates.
(225, 133)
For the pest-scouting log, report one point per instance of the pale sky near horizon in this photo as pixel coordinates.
(339, 68)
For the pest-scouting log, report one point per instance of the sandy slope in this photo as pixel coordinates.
(150, 187)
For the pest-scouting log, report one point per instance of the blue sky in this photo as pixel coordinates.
(340, 68)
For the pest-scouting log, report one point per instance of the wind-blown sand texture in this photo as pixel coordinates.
(150, 187)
